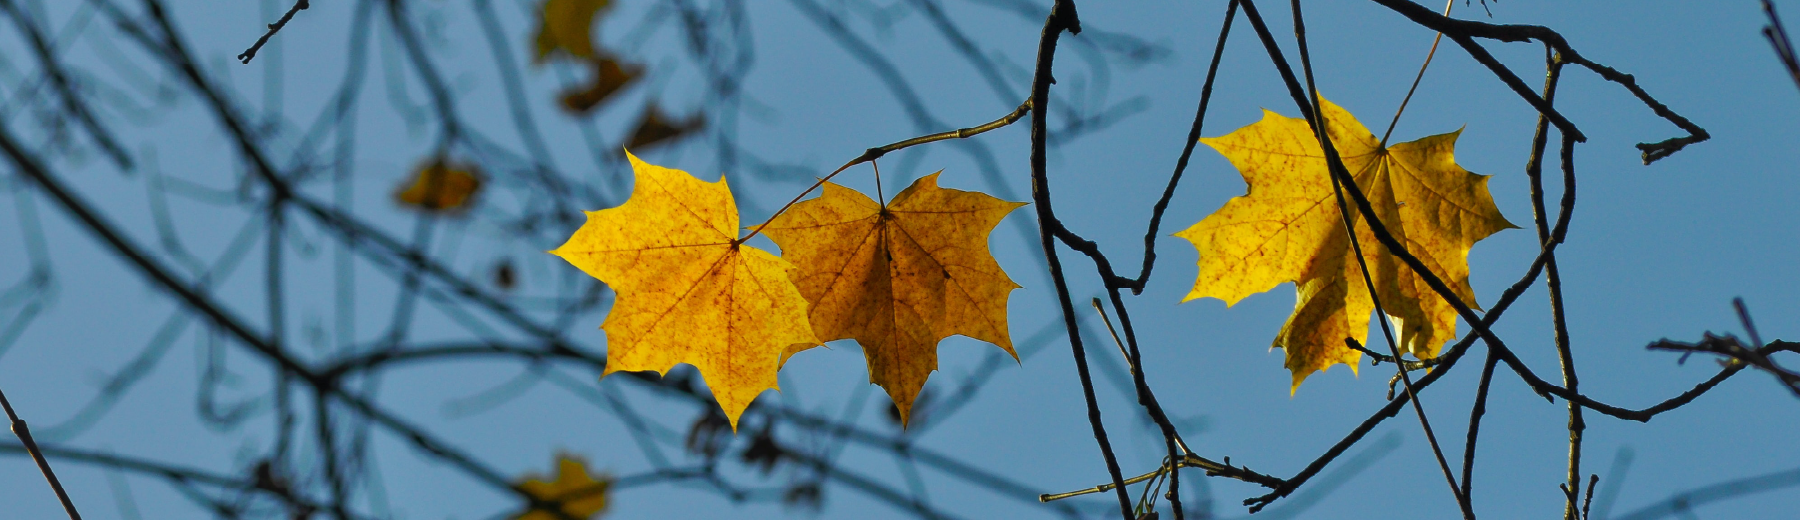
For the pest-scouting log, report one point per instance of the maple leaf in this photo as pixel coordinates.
(610, 76)
(439, 186)
(899, 278)
(575, 492)
(687, 291)
(1288, 228)
(567, 26)
(656, 128)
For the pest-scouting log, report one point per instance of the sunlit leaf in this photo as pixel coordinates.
(1288, 229)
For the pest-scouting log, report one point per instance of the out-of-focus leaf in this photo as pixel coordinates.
(763, 452)
(610, 77)
(439, 186)
(706, 436)
(505, 276)
(657, 128)
(567, 26)
(575, 492)
(806, 495)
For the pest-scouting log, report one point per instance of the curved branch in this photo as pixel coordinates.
(1464, 32)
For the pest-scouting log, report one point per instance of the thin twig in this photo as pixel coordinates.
(1115, 334)
(1191, 461)
(1114, 283)
(24, 433)
(1740, 357)
(1593, 482)
(59, 79)
(1743, 313)
(1464, 33)
(1577, 425)
(172, 473)
(231, 324)
(1476, 411)
(1187, 151)
(876, 153)
(1052, 497)
(1063, 18)
(250, 53)
(1378, 358)
(1320, 127)
(1439, 37)
(1778, 38)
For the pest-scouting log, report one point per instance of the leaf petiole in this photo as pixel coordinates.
(1415, 84)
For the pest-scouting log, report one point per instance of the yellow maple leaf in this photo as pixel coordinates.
(901, 278)
(1288, 229)
(439, 186)
(577, 493)
(687, 291)
(567, 26)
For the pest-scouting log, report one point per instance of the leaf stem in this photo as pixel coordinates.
(1415, 84)
(875, 153)
(879, 196)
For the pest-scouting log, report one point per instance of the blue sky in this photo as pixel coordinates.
(1654, 251)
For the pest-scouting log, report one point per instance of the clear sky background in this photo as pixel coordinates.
(1654, 251)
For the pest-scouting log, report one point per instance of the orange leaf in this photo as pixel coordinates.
(439, 186)
(899, 278)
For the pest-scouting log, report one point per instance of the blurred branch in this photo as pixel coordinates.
(1681, 504)
(214, 312)
(59, 79)
(1778, 38)
(172, 473)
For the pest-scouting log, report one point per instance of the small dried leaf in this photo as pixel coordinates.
(567, 26)
(505, 277)
(763, 451)
(706, 436)
(439, 186)
(575, 492)
(610, 77)
(657, 128)
(807, 495)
